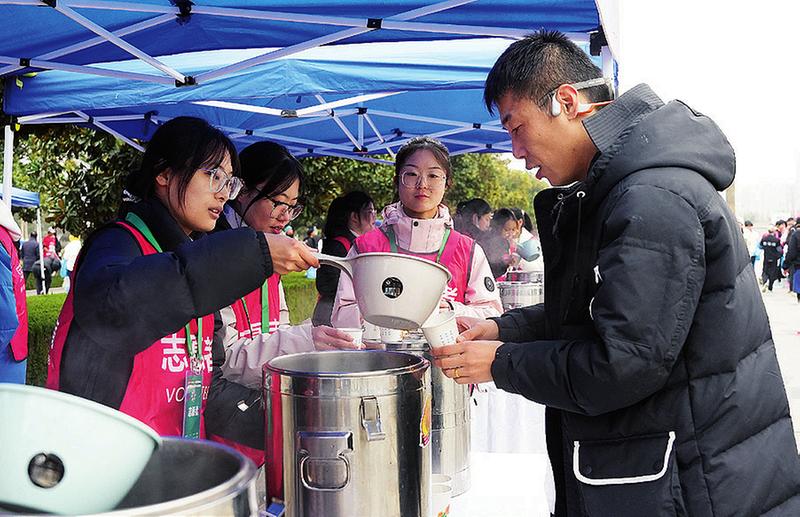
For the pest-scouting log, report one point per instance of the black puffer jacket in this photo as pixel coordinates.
(653, 350)
(125, 301)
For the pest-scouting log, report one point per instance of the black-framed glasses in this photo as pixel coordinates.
(280, 209)
(218, 179)
(412, 179)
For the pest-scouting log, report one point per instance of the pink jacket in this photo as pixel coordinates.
(244, 356)
(424, 236)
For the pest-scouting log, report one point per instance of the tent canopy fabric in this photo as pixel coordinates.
(338, 77)
(409, 92)
(24, 198)
(34, 30)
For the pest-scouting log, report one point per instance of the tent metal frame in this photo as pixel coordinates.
(356, 26)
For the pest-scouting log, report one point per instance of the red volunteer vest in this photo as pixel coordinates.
(155, 392)
(456, 257)
(19, 343)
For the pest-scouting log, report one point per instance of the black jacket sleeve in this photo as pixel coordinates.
(642, 312)
(232, 411)
(522, 324)
(792, 252)
(327, 283)
(125, 301)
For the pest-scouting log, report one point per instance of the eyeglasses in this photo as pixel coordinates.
(281, 209)
(218, 180)
(412, 179)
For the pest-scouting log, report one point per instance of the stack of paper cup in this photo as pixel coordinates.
(440, 499)
(357, 335)
(372, 333)
(441, 329)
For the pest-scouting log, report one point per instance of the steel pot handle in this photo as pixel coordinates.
(340, 263)
(323, 462)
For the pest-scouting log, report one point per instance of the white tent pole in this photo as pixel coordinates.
(119, 42)
(91, 70)
(110, 131)
(360, 131)
(353, 157)
(40, 238)
(344, 102)
(360, 27)
(277, 54)
(339, 123)
(8, 163)
(96, 41)
(432, 120)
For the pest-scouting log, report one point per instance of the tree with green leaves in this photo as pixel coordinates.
(78, 173)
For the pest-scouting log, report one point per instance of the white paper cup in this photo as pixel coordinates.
(372, 333)
(357, 335)
(441, 479)
(441, 329)
(440, 500)
(391, 335)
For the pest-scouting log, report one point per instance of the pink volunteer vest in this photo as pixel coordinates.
(248, 321)
(19, 342)
(456, 257)
(249, 325)
(155, 392)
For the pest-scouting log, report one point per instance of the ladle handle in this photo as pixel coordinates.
(340, 263)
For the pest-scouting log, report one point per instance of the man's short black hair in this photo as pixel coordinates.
(538, 64)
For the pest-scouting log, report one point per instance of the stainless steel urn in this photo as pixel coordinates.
(450, 434)
(520, 294)
(347, 433)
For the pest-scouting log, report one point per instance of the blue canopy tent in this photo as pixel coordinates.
(24, 198)
(358, 95)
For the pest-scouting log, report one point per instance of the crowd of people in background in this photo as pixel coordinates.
(775, 254)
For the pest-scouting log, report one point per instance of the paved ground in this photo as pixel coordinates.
(784, 317)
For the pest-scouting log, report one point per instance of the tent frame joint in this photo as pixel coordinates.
(50, 3)
(374, 23)
(188, 81)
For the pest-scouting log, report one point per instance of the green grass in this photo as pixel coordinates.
(42, 314)
(301, 296)
(31, 282)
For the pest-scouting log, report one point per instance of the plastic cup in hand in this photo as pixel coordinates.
(441, 329)
(357, 335)
(440, 500)
(391, 335)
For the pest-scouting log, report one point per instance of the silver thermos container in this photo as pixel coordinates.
(348, 433)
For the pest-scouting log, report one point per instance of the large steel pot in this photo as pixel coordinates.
(450, 427)
(520, 294)
(189, 478)
(393, 290)
(347, 433)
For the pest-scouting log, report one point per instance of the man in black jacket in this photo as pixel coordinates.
(652, 351)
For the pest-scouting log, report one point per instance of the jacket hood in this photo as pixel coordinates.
(417, 235)
(7, 221)
(639, 132)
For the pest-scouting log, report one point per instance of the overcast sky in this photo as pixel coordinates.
(739, 63)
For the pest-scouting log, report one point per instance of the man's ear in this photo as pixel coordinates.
(567, 97)
(162, 180)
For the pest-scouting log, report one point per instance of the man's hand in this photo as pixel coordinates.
(467, 362)
(289, 254)
(329, 338)
(477, 329)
